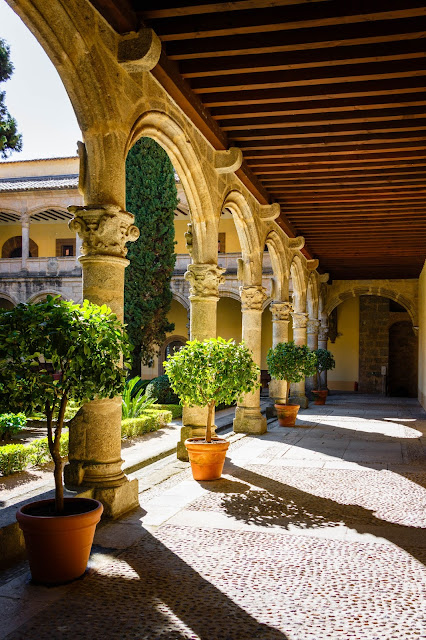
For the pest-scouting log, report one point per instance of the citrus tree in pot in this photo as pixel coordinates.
(290, 362)
(209, 373)
(325, 362)
(85, 343)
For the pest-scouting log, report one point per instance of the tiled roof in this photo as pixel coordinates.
(33, 183)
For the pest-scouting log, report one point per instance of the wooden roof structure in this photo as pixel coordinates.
(326, 99)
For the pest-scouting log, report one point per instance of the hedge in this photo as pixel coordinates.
(151, 421)
(16, 457)
(176, 409)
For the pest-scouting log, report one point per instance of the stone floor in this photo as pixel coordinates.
(313, 532)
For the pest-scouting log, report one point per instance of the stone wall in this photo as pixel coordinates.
(402, 378)
(373, 343)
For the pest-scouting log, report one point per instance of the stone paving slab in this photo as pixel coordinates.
(280, 548)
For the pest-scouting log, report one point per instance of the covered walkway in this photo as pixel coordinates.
(313, 532)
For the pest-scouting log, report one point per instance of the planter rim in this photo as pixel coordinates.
(202, 441)
(21, 513)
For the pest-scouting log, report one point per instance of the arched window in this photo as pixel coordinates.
(12, 248)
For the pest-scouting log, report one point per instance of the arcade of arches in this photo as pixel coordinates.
(238, 271)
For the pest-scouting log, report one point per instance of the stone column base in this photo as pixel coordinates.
(118, 500)
(190, 431)
(301, 400)
(249, 420)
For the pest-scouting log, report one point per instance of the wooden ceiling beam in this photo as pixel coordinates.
(119, 14)
(364, 54)
(416, 125)
(407, 152)
(281, 147)
(373, 87)
(307, 39)
(282, 19)
(215, 7)
(315, 167)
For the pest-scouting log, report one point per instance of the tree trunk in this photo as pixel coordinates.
(210, 414)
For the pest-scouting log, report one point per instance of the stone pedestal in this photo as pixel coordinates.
(95, 434)
(280, 323)
(312, 341)
(248, 418)
(204, 281)
(300, 321)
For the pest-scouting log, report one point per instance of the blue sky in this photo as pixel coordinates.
(35, 95)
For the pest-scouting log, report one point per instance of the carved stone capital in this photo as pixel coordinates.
(300, 320)
(323, 333)
(296, 243)
(324, 277)
(204, 280)
(228, 161)
(313, 326)
(252, 298)
(139, 51)
(103, 229)
(280, 311)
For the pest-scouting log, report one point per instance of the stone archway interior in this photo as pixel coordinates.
(12, 248)
(6, 304)
(402, 376)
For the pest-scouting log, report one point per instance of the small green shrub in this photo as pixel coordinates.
(11, 423)
(160, 389)
(152, 420)
(175, 409)
(39, 450)
(13, 458)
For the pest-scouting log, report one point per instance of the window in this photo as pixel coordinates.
(65, 247)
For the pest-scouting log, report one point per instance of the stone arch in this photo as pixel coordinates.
(174, 140)
(251, 272)
(312, 298)
(162, 354)
(15, 245)
(41, 295)
(8, 298)
(280, 268)
(229, 293)
(373, 290)
(297, 273)
(181, 298)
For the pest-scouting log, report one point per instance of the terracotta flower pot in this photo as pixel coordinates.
(320, 396)
(58, 547)
(287, 414)
(206, 458)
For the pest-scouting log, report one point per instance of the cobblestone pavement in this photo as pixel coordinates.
(313, 533)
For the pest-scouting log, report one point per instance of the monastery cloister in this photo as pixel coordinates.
(282, 292)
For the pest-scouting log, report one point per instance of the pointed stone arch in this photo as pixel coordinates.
(280, 267)
(298, 277)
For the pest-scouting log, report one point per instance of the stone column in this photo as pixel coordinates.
(204, 281)
(78, 245)
(322, 344)
(25, 234)
(95, 437)
(312, 338)
(300, 321)
(280, 323)
(248, 418)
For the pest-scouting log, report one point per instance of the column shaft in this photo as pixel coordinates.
(312, 342)
(95, 435)
(248, 418)
(25, 234)
(280, 324)
(323, 344)
(300, 320)
(204, 280)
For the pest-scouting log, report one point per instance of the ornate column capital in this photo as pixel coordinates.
(300, 320)
(280, 311)
(252, 297)
(104, 229)
(204, 280)
(323, 332)
(313, 326)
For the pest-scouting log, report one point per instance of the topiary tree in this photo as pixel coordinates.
(151, 196)
(84, 342)
(212, 372)
(290, 362)
(325, 362)
(10, 139)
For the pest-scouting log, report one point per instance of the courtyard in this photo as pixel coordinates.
(313, 532)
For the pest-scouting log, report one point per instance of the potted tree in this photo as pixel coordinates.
(209, 373)
(290, 362)
(325, 362)
(85, 343)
